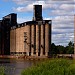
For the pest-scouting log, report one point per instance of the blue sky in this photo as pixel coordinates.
(61, 12)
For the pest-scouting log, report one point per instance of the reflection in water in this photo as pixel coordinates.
(15, 67)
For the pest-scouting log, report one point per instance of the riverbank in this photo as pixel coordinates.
(23, 57)
(52, 67)
(37, 57)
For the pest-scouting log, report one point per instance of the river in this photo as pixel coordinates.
(15, 66)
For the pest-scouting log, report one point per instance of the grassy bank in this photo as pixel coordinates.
(2, 70)
(52, 67)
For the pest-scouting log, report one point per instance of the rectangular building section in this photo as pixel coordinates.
(32, 38)
(5, 25)
(32, 42)
(37, 12)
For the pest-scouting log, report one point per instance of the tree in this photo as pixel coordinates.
(60, 49)
(69, 49)
(53, 49)
(70, 44)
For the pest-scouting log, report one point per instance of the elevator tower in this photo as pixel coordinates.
(37, 13)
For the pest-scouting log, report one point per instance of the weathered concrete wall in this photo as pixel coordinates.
(18, 40)
(42, 41)
(46, 39)
(37, 40)
(21, 39)
(31, 40)
(28, 39)
(13, 40)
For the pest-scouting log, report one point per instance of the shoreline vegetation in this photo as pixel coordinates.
(37, 57)
(2, 70)
(52, 67)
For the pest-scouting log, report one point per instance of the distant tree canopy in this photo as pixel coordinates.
(59, 49)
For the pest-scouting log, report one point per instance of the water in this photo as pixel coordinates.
(15, 67)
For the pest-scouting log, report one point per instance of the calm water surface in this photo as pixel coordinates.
(15, 67)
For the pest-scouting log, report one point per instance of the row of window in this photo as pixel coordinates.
(18, 53)
(24, 53)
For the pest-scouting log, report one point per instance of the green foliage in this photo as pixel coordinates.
(1, 70)
(52, 67)
(54, 49)
(59, 49)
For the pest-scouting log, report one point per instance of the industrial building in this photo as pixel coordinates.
(31, 38)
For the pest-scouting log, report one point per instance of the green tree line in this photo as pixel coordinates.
(59, 49)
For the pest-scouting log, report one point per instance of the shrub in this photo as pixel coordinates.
(1, 70)
(52, 67)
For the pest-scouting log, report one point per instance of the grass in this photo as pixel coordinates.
(52, 67)
(2, 70)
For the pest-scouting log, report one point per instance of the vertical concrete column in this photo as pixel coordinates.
(42, 41)
(17, 40)
(28, 39)
(32, 40)
(37, 39)
(22, 40)
(11, 41)
(46, 39)
(14, 40)
(24, 35)
(11, 38)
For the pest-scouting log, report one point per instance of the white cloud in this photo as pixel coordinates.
(23, 2)
(29, 6)
(63, 39)
(24, 9)
(63, 8)
(63, 29)
(67, 7)
(67, 27)
(61, 13)
(48, 18)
